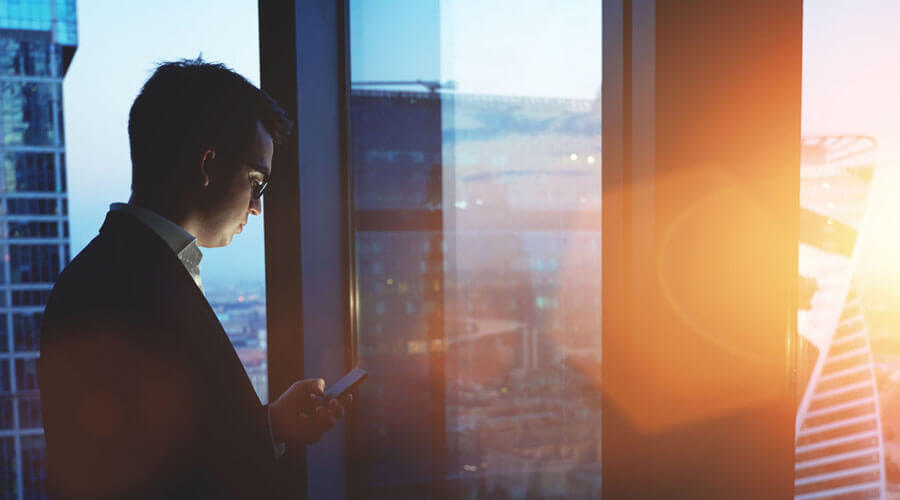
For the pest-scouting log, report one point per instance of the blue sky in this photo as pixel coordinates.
(501, 47)
(850, 82)
(485, 48)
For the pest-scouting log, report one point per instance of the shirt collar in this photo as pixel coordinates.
(183, 243)
(174, 235)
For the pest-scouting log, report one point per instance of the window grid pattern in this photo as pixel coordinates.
(29, 110)
(35, 206)
(28, 53)
(37, 38)
(30, 297)
(6, 406)
(40, 15)
(8, 482)
(4, 331)
(30, 411)
(26, 331)
(30, 172)
(34, 474)
(34, 229)
(34, 263)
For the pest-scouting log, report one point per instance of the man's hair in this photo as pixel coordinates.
(190, 105)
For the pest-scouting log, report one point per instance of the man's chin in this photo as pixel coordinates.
(223, 242)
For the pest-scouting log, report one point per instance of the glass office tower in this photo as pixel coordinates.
(38, 39)
(839, 437)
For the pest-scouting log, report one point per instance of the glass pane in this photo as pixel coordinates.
(8, 482)
(27, 172)
(33, 263)
(29, 53)
(42, 17)
(476, 208)
(34, 474)
(28, 113)
(848, 439)
(6, 398)
(4, 339)
(26, 331)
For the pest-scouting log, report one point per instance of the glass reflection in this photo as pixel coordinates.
(476, 209)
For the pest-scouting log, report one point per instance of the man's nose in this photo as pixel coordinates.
(256, 206)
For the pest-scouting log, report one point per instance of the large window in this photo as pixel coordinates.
(476, 207)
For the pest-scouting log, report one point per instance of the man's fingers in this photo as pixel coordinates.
(315, 386)
(329, 422)
(337, 411)
(309, 386)
(324, 418)
(311, 428)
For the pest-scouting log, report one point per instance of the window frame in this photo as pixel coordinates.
(304, 65)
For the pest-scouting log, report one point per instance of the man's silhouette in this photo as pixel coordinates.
(142, 393)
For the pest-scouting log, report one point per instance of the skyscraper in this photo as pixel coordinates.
(38, 39)
(840, 443)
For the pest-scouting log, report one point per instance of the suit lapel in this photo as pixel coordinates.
(164, 286)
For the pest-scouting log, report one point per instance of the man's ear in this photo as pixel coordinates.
(208, 156)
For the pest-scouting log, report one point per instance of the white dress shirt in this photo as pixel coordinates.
(184, 244)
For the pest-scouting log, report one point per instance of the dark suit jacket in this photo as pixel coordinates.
(142, 393)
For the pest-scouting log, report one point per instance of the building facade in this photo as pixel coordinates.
(38, 39)
(839, 437)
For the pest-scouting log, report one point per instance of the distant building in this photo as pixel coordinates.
(244, 319)
(37, 42)
(477, 239)
(839, 437)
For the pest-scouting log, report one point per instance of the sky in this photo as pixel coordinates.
(502, 47)
(485, 48)
(850, 86)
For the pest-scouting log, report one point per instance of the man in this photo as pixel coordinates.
(142, 393)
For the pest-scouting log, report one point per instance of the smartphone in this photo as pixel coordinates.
(346, 384)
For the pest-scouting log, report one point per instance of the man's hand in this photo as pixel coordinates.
(298, 418)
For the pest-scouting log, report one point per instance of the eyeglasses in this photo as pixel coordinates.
(257, 187)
